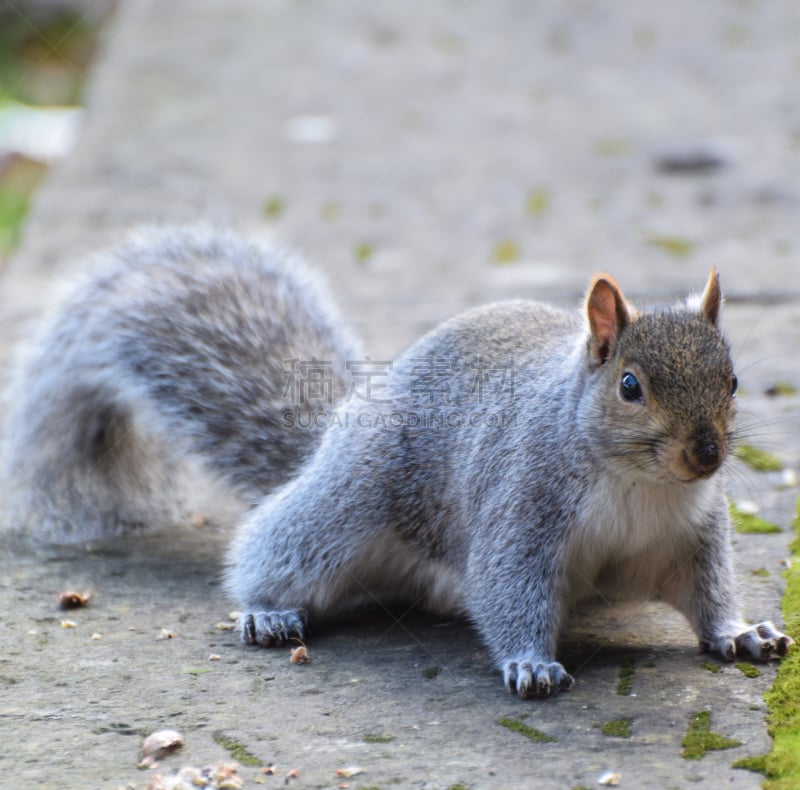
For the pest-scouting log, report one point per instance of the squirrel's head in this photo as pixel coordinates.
(663, 383)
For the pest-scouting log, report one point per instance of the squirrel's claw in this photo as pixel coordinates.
(525, 679)
(272, 628)
(760, 642)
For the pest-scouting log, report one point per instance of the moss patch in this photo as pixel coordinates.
(538, 202)
(363, 252)
(537, 736)
(378, 738)
(757, 764)
(699, 739)
(625, 675)
(506, 252)
(780, 388)
(782, 764)
(672, 245)
(760, 460)
(431, 672)
(617, 728)
(273, 206)
(748, 670)
(748, 523)
(710, 666)
(236, 749)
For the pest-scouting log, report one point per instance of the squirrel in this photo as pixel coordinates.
(157, 391)
(520, 460)
(512, 463)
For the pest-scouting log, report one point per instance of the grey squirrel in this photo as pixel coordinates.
(513, 462)
(520, 460)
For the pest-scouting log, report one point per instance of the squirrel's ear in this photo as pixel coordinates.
(711, 301)
(608, 315)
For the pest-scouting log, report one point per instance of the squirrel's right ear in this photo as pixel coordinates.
(711, 300)
(608, 315)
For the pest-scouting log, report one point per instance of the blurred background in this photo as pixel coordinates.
(428, 156)
(46, 49)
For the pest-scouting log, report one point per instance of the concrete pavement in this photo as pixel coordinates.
(428, 157)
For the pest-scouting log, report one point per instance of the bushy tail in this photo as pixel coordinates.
(158, 390)
(82, 463)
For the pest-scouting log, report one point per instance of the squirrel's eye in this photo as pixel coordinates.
(629, 388)
(734, 385)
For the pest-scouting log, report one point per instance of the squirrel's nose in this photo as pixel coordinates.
(707, 455)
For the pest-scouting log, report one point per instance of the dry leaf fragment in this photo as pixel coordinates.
(69, 599)
(96, 637)
(346, 773)
(167, 634)
(68, 624)
(270, 769)
(299, 655)
(214, 657)
(159, 744)
(293, 774)
(225, 626)
(609, 778)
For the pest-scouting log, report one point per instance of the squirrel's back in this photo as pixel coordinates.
(166, 375)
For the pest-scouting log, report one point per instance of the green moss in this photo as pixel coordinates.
(506, 252)
(236, 749)
(538, 202)
(625, 675)
(748, 670)
(431, 672)
(13, 208)
(672, 245)
(649, 665)
(781, 388)
(699, 739)
(760, 460)
(378, 738)
(617, 728)
(782, 764)
(757, 764)
(537, 736)
(273, 206)
(458, 786)
(760, 572)
(711, 667)
(748, 523)
(364, 251)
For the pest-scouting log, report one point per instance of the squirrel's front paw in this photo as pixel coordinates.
(525, 678)
(272, 628)
(761, 642)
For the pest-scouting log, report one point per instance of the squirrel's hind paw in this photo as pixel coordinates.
(527, 678)
(761, 642)
(273, 628)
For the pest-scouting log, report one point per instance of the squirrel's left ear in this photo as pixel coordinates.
(711, 301)
(608, 315)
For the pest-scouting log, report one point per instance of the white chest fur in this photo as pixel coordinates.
(629, 537)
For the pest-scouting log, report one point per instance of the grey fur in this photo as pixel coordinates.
(516, 501)
(158, 389)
